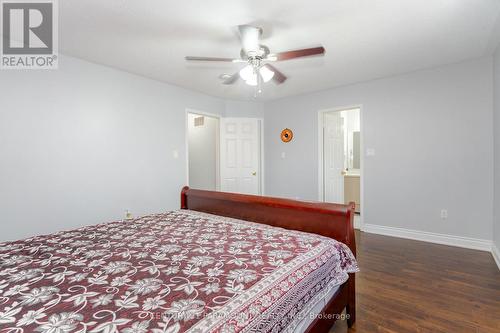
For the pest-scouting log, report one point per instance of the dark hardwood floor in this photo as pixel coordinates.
(411, 286)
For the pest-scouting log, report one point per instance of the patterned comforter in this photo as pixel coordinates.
(180, 271)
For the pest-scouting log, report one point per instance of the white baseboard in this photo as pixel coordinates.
(465, 242)
(496, 254)
(357, 222)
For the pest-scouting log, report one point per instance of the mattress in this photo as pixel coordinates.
(180, 271)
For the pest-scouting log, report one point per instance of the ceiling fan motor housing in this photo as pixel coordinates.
(261, 53)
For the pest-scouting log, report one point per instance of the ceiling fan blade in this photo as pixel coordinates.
(314, 51)
(188, 58)
(278, 77)
(232, 79)
(249, 37)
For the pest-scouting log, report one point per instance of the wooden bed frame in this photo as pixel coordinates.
(330, 220)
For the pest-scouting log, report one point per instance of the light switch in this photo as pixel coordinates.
(370, 152)
(175, 154)
(283, 155)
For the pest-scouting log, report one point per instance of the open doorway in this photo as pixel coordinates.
(340, 157)
(203, 151)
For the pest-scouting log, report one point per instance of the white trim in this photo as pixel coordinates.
(357, 222)
(321, 196)
(217, 157)
(321, 134)
(362, 169)
(424, 236)
(496, 254)
(262, 167)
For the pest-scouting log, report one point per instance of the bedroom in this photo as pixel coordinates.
(99, 132)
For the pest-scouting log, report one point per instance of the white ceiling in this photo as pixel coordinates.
(364, 39)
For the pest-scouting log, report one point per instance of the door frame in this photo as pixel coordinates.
(217, 149)
(321, 183)
(262, 155)
(261, 152)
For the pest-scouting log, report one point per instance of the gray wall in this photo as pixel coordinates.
(251, 109)
(433, 138)
(496, 124)
(82, 144)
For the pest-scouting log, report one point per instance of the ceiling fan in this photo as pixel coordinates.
(258, 57)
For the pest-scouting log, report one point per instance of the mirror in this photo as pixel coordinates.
(356, 150)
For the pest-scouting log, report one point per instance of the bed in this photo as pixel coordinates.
(222, 263)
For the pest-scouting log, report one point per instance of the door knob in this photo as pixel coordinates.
(254, 173)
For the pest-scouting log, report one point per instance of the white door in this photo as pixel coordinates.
(240, 155)
(333, 145)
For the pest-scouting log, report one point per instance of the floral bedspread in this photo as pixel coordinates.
(181, 271)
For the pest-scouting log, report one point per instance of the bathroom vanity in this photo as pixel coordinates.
(352, 188)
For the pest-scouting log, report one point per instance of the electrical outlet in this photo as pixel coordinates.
(444, 214)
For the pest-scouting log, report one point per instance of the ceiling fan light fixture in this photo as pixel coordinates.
(252, 81)
(247, 73)
(266, 74)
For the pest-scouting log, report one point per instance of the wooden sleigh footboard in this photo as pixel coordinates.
(330, 220)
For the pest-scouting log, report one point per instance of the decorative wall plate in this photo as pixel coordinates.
(286, 135)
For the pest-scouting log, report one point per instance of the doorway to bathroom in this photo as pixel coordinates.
(340, 157)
